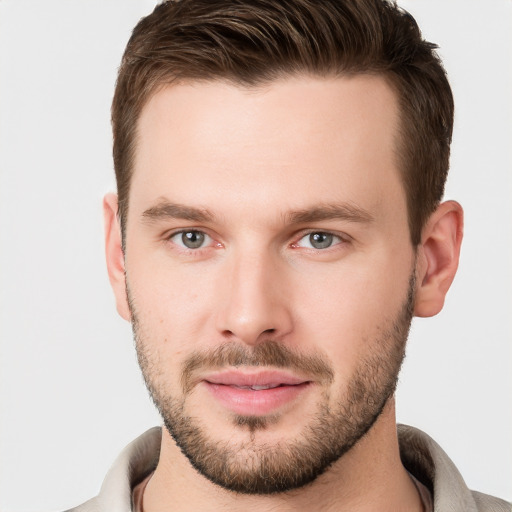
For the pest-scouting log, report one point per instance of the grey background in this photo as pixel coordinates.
(70, 390)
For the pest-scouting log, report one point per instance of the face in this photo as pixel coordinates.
(269, 272)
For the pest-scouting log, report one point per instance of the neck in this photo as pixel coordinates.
(368, 477)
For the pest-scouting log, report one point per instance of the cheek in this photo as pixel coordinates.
(172, 306)
(345, 310)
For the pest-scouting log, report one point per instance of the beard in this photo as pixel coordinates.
(250, 467)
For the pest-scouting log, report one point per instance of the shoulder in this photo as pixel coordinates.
(486, 503)
(428, 462)
(91, 505)
(134, 463)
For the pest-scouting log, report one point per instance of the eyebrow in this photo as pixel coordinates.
(167, 210)
(345, 211)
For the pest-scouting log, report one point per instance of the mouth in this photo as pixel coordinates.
(260, 388)
(255, 393)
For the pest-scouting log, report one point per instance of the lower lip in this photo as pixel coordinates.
(248, 402)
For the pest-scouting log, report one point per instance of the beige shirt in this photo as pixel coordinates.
(138, 494)
(420, 454)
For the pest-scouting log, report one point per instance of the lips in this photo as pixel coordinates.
(251, 379)
(255, 393)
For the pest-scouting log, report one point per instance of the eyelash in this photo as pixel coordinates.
(341, 239)
(181, 247)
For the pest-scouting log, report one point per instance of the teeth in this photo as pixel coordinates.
(259, 388)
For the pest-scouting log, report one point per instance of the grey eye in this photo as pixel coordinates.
(190, 239)
(320, 240)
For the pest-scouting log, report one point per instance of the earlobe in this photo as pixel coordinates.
(114, 254)
(438, 258)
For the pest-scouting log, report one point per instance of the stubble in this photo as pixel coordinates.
(253, 467)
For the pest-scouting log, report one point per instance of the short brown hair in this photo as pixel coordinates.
(250, 42)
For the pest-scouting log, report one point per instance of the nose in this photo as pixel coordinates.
(253, 305)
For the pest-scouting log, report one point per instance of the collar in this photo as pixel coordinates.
(420, 455)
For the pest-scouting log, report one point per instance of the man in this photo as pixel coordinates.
(280, 169)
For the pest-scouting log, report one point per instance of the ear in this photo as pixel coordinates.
(114, 254)
(438, 258)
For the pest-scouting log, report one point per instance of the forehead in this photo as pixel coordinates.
(298, 140)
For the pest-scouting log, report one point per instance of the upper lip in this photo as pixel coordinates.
(254, 378)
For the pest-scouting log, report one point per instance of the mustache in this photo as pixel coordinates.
(268, 353)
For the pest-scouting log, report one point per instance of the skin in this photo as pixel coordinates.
(251, 158)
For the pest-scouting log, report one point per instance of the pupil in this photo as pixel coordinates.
(320, 240)
(192, 239)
